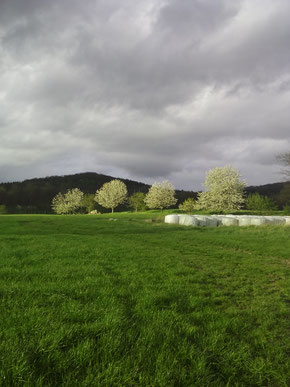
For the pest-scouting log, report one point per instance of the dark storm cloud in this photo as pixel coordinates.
(144, 90)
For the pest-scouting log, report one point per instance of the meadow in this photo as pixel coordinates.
(89, 301)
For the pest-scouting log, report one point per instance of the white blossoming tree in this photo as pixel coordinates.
(160, 195)
(225, 190)
(68, 203)
(111, 194)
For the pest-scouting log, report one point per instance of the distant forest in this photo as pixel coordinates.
(35, 195)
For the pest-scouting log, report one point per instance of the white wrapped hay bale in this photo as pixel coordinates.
(217, 218)
(188, 220)
(275, 220)
(270, 220)
(211, 221)
(244, 221)
(173, 219)
(280, 220)
(201, 220)
(258, 220)
(226, 220)
(207, 221)
(229, 221)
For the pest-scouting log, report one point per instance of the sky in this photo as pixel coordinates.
(144, 89)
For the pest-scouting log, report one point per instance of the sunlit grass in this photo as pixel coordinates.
(88, 301)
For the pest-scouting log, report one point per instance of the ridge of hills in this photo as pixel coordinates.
(35, 195)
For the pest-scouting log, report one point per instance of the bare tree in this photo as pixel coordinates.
(284, 158)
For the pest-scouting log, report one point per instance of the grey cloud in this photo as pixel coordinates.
(157, 89)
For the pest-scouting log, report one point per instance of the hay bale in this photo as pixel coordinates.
(244, 221)
(229, 221)
(201, 220)
(275, 220)
(258, 220)
(217, 219)
(188, 220)
(280, 220)
(211, 221)
(173, 219)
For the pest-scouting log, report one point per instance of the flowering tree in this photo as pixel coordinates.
(160, 195)
(67, 203)
(111, 194)
(225, 190)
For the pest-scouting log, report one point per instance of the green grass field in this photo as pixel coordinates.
(90, 302)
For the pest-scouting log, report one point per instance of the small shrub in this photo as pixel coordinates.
(136, 201)
(3, 209)
(258, 202)
(286, 209)
(188, 205)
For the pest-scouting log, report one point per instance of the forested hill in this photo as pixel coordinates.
(35, 195)
(270, 190)
(278, 192)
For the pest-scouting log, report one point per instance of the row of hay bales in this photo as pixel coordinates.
(226, 220)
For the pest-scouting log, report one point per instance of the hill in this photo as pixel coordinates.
(279, 192)
(35, 195)
(270, 190)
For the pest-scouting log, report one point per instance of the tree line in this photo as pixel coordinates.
(225, 191)
(36, 195)
(111, 195)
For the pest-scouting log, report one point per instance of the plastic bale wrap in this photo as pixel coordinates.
(258, 220)
(201, 220)
(275, 220)
(173, 219)
(211, 221)
(218, 219)
(187, 220)
(226, 220)
(279, 220)
(271, 220)
(230, 221)
(244, 221)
